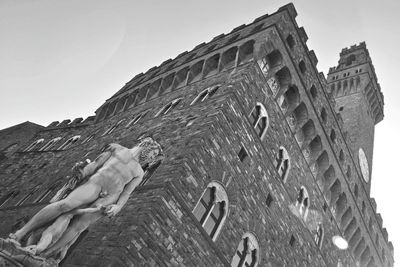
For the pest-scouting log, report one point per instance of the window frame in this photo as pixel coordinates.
(218, 196)
(168, 107)
(33, 145)
(256, 121)
(249, 246)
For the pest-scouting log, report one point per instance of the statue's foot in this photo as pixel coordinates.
(12, 238)
(31, 249)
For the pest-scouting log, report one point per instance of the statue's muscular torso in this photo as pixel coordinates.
(118, 170)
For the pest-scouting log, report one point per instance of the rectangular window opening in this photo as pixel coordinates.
(269, 200)
(242, 154)
(292, 241)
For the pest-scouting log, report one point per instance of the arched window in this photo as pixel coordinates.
(137, 118)
(209, 92)
(45, 194)
(282, 163)
(212, 209)
(247, 253)
(303, 202)
(24, 199)
(10, 148)
(112, 128)
(34, 145)
(87, 139)
(259, 119)
(8, 197)
(50, 144)
(319, 235)
(168, 107)
(69, 142)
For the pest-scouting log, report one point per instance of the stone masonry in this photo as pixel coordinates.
(213, 139)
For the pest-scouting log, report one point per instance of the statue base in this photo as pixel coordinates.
(14, 256)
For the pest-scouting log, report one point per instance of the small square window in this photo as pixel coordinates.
(242, 154)
(292, 241)
(269, 200)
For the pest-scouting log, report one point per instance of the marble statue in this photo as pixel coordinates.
(103, 188)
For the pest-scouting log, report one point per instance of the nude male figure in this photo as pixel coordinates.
(117, 171)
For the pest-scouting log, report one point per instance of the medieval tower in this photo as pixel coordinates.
(267, 162)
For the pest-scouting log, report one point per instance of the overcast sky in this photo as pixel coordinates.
(62, 59)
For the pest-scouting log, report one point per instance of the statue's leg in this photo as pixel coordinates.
(53, 232)
(79, 224)
(84, 194)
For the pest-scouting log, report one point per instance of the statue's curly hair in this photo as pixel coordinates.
(149, 145)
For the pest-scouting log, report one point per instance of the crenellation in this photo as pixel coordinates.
(303, 35)
(239, 28)
(53, 124)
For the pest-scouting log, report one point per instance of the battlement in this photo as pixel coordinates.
(74, 123)
(351, 49)
(223, 52)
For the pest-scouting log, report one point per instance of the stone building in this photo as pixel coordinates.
(267, 161)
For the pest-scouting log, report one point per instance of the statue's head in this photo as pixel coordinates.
(151, 152)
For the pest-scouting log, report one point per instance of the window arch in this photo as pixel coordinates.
(112, 128)
(212, 209)
(50, 144)
(282, 163)
(34, 145)
(203, 95)
(8, 197)
(137, 118)
(248, 252)
(319, 235)
(69, 142)
(45, 194)
(303, 202)
(168, 107)
(10, 148)
(259, 119)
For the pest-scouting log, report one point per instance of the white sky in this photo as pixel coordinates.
(62, 59)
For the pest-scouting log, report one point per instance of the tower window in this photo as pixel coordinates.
(350, 59)
(290, 41)
(333, 136)
(247, 253)
(259, 119)
(212, 209)
(302, 67)
(34, 145)
(168, 107)
(319, 235)
(324, 115)
(282, 163)
(356, 191)
(341, 155)
(303, 202)
(313, 92)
